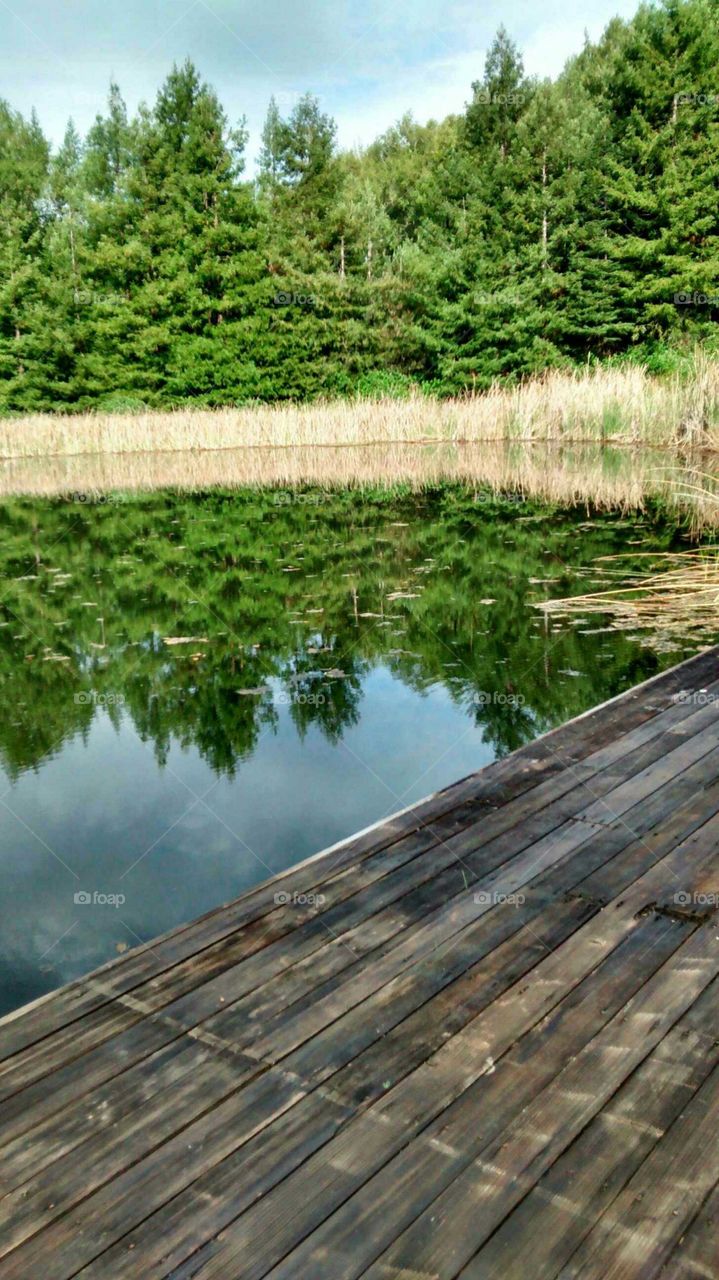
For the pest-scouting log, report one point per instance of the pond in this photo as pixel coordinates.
(199, 690)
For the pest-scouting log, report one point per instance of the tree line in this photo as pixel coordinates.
(551, 223)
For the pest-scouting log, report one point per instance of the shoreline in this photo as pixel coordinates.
(610, 442)
(605, 477)
(613, 407)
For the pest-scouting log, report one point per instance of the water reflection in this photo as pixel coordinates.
(610, 477)
(199, 690)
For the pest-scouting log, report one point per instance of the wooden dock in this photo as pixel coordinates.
(478, 1040)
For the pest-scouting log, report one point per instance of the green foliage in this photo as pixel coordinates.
(385, 383)
(551, 224)
(499, 100)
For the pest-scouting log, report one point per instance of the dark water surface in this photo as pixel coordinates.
(199, 691)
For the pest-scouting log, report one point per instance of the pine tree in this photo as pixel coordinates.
(24, 155)
(491, 322)
(654, 78)
(499, 99)
(269, 158)
(108, 151)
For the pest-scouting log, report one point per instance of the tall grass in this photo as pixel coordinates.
(675, 597)
(623, 405)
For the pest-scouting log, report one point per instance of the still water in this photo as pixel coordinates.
(200, 690)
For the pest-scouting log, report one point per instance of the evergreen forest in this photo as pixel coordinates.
(552, 224)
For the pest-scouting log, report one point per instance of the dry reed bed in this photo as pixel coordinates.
(676, 597)
(622, 405)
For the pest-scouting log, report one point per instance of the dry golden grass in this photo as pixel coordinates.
(624, 406)
(675, 597)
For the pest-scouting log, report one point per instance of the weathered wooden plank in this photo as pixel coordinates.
(90, 1113)
(477, 1200)
(639, 1230)
(74, 1178)
(605, 842)
(277, 923)
(466, 858)
(359, 1148)
(363, 1148)
(424, 1030)
(143, 1200)
(51, 1192)
(696, 1254)
(380, 987)
(547, 1227)
(433, 1087)
(94, 1224)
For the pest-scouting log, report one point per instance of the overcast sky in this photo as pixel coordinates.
(368, 61)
